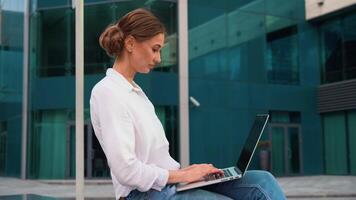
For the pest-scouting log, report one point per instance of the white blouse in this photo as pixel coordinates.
(130, 134)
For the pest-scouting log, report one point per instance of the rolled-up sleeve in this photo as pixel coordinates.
(117, 138)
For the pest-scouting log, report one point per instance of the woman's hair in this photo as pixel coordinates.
(140, 24)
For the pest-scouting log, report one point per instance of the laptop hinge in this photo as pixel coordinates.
(238, 171)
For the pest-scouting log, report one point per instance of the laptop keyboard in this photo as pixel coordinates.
(211, 177)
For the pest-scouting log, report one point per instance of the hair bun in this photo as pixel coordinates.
(112, 40)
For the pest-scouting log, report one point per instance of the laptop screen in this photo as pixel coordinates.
(251, 142)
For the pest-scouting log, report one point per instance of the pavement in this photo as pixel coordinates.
(296, 188)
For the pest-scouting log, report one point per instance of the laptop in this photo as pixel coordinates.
(243, 162)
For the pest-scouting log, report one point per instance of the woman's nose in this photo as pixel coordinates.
(157, 59)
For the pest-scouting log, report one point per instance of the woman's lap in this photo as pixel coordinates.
(254, 185)
(169, 192)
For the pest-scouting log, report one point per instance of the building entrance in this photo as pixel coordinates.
(286, 155)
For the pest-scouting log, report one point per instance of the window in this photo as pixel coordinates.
(284, 117)
(282, 56)
(168, 117)
(338, 47)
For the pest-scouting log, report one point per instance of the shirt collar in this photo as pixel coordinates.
(119, 77)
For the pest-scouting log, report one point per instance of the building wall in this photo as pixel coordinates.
(245, 57)
(318, 8)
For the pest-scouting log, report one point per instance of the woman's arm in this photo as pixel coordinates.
(192, 173)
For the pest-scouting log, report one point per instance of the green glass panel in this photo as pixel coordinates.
(335, 143)
(50, 3)
(56, 42)
(274, 23)
(11, 86)
(279, 117)
(331, 51)
(96, 60)
(282, 9)
(293, 151)
(349, 33)
(71, 151)
(3, 142)
(256, 6)
(52, 144)
(278, 151)
(352, 140)
(161, 114)
(282, 56)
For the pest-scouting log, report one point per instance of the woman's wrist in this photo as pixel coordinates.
(176, 176)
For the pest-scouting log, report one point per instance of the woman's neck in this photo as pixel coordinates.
(124, 69)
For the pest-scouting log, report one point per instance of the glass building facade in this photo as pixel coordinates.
(245, 57)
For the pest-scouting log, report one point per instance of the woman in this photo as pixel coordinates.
(132, 136)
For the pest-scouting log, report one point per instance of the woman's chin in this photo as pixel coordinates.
(146, 71)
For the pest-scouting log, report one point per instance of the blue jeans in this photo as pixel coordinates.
(253, 185)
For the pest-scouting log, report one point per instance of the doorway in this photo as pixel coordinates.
(286, 151)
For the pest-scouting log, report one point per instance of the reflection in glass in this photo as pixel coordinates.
(338, 44)
(331, 47)
(282, 56)
(278, 151)
(52, 80)
(349, 32)
(11, 86)
(293, 151)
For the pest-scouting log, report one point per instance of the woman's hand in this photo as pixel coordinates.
(192, 173)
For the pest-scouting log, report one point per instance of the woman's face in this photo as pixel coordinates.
(147, 54)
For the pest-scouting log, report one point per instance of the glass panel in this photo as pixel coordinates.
(11, 86)
(279, 117)
(45, 4)
(282, 56)
(51, 90)
(282, 9)
(349, 32)
(257, 6)
(274, 23)
(3, 144)
(246, 44)
(278, 151)
(352, 140)
(167, 13)
(284, 117)
(56, 42)
(167, 115)
(331, 51)
(52, 74)
(206, 44)
(100, 167)
(96, 60)
(335, 143)
(293, 151)
(98, 15)
(294, 117)
(47, 147)
(71, 151)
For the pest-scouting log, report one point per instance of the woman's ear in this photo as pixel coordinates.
(129, 43)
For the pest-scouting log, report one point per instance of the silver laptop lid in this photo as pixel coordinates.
(251, 142)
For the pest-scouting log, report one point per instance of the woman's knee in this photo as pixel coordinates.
(261, 174)
(268, 184)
